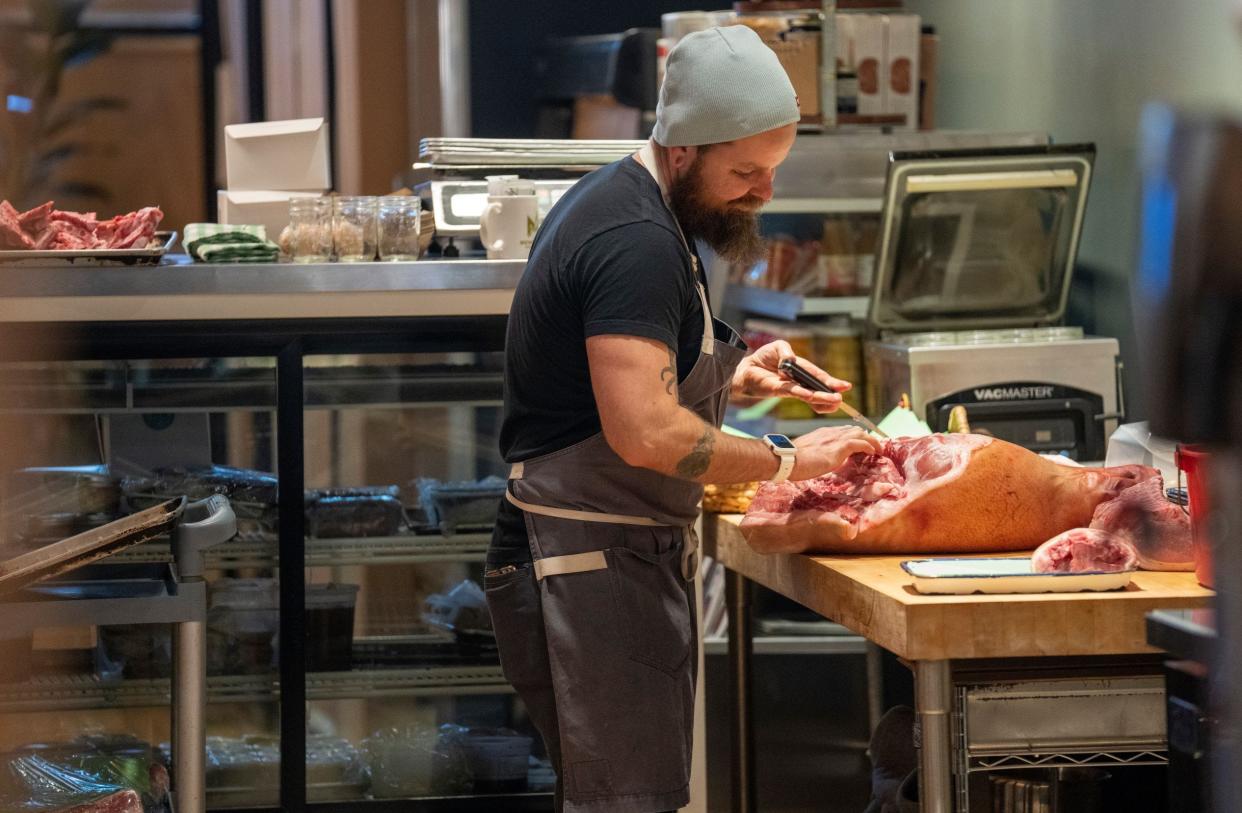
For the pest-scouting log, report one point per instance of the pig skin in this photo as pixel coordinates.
(982, 495)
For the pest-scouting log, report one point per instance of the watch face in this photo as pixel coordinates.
(780, 441)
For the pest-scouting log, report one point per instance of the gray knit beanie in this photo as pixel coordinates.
(722, 84)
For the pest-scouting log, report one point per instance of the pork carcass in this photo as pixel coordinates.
(1084, 550)
(1158, 530)
(937, 494)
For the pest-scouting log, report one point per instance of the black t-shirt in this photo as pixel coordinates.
(608, 259)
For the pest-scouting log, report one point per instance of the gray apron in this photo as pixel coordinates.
(598, 637)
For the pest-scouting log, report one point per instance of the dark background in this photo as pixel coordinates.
(504, 38)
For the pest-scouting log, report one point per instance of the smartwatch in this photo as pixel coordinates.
(785, 452)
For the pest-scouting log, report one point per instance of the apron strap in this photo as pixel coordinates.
(708, 345)
(690, 558)
(570, 563)
(582, 516)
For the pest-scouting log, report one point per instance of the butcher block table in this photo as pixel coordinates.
(954, 641)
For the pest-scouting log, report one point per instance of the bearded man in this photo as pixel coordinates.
(616, 380)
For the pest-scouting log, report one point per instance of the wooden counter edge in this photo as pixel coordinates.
(920, 627)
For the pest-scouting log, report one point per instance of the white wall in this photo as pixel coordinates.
(1082, 70)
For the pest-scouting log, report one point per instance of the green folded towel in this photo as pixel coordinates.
(229, 243)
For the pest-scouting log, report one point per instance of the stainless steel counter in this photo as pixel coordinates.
(179, 290)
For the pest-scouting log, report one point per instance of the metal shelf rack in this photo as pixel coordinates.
(1062, 738)
(261, 550)
(787, 307)
(283, 316)
(76, 692)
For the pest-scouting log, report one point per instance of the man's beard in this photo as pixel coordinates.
(732, 230)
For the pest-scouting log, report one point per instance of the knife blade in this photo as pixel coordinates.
(795, 372)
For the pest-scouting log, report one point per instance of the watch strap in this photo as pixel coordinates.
(785, 469)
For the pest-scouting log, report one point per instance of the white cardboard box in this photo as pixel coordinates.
(902, 72)
(285, 155)
(267, 208)
(868, 40)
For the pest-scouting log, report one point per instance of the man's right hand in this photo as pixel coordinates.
(826, 448)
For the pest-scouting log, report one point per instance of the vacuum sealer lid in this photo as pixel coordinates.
(979, 238)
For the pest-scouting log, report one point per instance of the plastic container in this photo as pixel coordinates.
(452, 506)
(134, 651)
(1195, 462)
(461, 611)
(330, 627)
(415, 761)
(242, 622)
(49, 490)
(345, 513)
(499, 760)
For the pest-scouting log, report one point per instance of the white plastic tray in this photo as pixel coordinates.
(1004, 575)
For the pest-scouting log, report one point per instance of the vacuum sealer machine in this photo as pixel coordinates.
(973, 270)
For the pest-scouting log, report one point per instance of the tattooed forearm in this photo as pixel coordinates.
(669, 375)
(694, 465)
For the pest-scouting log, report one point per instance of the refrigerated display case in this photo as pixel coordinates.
(350, 662)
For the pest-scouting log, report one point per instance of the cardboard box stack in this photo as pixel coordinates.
(883, 51)
(266, 164)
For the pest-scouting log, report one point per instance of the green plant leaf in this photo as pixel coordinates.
(48, 160)
(56, 16)
(71, 113)
(80, 47)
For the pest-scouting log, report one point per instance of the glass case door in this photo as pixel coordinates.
(89, 706)
(406, 698)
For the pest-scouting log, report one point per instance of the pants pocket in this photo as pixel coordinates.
(513, 601)
(654, 606)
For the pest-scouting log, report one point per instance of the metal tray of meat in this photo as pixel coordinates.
(1004, 575)
(160, 244)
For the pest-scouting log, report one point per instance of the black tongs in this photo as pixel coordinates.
(792, 370)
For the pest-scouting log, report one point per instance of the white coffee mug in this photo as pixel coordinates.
(507, 226)
(501, 185)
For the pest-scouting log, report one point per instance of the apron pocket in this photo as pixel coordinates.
(654, 607)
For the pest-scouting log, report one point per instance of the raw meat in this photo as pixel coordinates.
(133, 229)
(1158, 529)
(45, 227)
(123, 801)
(936, 494)
(1084, 550)
(12, 235)
(35, 220)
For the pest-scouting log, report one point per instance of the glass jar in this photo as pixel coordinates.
(354, 234)
(308, 238)
(398, 227)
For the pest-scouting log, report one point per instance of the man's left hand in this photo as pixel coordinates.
(757, 378)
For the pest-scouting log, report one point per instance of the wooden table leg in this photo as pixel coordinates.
(933, 691)
(741, 648)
